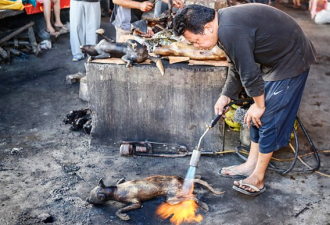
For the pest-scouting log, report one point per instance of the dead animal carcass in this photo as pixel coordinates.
(182, 48)
(137, 191)
(130, 52)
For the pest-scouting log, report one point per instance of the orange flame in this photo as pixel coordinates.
(182, 212)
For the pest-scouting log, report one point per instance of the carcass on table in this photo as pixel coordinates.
(182, 48)
(130, 52)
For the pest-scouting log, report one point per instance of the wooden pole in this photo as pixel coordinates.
(33, 41)
(8, 37)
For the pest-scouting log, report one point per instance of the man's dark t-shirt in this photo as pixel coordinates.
(262, 44)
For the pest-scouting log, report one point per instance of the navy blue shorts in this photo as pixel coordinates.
(282, 100)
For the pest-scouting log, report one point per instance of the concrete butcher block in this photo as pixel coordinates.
(139, 104)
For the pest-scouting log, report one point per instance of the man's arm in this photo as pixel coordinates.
(230, 90)
(143, 6)
(239, 43)
(233, 83)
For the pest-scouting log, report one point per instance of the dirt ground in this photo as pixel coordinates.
(47, 171)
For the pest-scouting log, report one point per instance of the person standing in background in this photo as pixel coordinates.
(126, 12)
(85, 19)
(160, 7)
(47, 10)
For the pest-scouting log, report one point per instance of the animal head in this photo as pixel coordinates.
(135, 47)
(89, 49)
(100, 194)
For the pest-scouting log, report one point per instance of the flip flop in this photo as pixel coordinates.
(64, 27)
(53, 34)
(249, 193)
(236, 175)
(64, 31)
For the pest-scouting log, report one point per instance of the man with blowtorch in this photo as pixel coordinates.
(270, 56)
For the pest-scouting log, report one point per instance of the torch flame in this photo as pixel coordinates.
(184, 211)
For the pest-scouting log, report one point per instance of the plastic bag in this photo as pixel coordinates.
(14, 5)
(322, 17)
(32, 2)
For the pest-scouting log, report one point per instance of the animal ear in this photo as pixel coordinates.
(101, 184)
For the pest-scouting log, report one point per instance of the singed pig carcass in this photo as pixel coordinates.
(182, 48)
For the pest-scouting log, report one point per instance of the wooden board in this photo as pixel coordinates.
(116, 61)
(208, 63)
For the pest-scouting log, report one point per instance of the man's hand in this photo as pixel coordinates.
(146, 6)
(220, 104)
(254, 113)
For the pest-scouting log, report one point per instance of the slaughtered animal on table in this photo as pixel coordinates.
(136, 191)
(164, 37)
(130, 52)
(184, 49)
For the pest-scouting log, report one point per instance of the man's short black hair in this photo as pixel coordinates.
(192, 18)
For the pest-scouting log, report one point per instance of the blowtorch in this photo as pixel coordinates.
(194, 160)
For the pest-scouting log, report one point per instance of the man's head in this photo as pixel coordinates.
(198, 24)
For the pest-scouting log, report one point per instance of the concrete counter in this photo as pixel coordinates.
(138, 104)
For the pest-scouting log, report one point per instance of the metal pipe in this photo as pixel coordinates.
(194, 160)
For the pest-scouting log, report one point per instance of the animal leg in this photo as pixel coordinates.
(205, 184)
(123, 216)
(102, 56)
(201, 204)
(101, 33)
(120, 181)
(128, 61)
(159, 64)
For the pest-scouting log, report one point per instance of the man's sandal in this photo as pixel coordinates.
(231, 169)
(254, 193)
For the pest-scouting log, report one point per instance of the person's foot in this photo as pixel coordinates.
(251, 180)
(243, 170)
(77, 58)
(62, 28)
(52, 32)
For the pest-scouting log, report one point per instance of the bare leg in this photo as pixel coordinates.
(258, 175)
(296, 3)
(57, 12)
(47, 15)
(248, 167)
